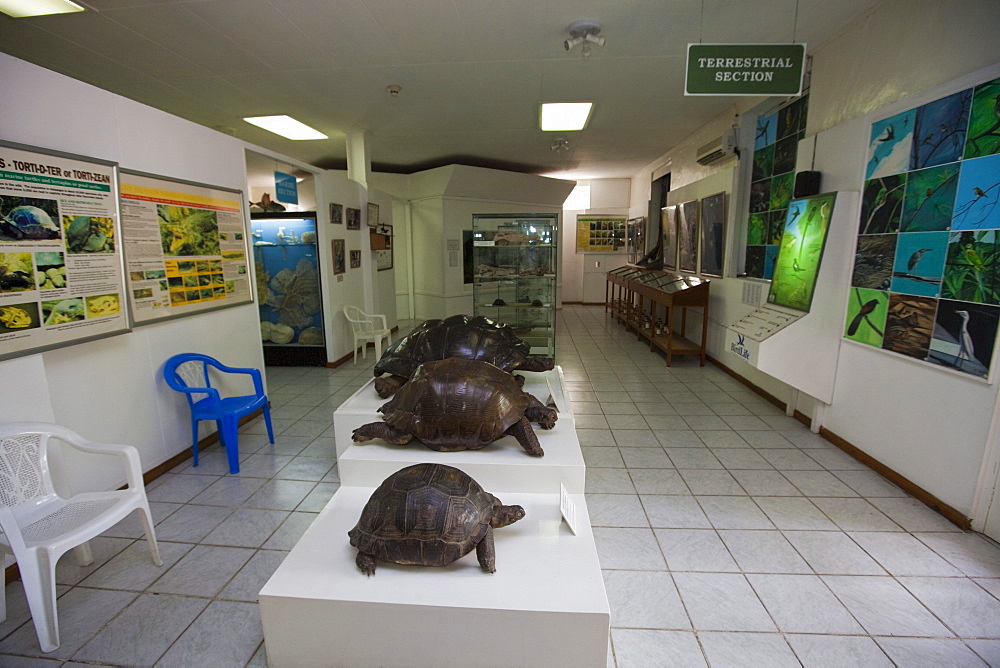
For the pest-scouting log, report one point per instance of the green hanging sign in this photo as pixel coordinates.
(745, 69)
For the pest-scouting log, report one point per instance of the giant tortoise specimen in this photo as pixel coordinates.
(458, 404)
(429, 515)
(467, 337)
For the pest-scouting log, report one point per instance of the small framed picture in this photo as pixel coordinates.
(372, 214)
(338, 256)
(353, 219)
(355, 259)
(336, 213)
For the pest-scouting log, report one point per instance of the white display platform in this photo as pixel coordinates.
(502, 465)
(544, 606)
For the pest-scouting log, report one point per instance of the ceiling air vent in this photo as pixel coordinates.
(718, 148)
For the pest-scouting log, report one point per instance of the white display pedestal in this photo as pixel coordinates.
(545, 605)
(502, 465)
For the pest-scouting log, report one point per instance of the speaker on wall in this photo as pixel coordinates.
(806, 184)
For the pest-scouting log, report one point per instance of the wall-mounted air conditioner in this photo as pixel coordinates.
(718, 148)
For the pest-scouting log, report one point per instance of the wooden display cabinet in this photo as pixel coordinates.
(639, 297)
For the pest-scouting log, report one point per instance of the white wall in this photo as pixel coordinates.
(112, 390)
(583, 274)
(927, 424)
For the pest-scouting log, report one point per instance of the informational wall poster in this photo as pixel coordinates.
(600, 234)
(687, 236)
(668, 228)
(185, 247)
(776, 149)
(926, 279)
(713, 237)
(797, 266)
(61, 272)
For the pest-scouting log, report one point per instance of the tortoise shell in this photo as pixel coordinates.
(457, 401)
(425, 514)
(467, 337)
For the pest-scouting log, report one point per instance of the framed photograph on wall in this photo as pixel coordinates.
(687, 236)
(713, 234)
(338, 256)
(353, 219)
(336, 213)
(355, 259)
(372, 214)
(668, 226)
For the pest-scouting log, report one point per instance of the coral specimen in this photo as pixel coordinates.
(282, 333)
(311, 336)
(295, 294)
(262, 279)
(265, 330)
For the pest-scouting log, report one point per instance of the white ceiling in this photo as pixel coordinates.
(472, 72)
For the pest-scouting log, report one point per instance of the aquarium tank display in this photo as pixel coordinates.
(289, 296)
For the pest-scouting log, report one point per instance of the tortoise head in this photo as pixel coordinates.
(545, 417)
(505, 515)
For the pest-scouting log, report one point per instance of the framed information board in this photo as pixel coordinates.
(600, 234)
(186, 247)
(61, 269)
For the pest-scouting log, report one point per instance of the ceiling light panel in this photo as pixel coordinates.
(286, 126)
(22, 8)
(565, 116)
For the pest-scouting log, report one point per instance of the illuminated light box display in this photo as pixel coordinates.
(801, 251)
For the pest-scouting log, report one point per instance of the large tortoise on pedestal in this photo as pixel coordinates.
(457, 404)
(467, 337)
(429, 515)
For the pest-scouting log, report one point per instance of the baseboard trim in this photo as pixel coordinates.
(913, 489)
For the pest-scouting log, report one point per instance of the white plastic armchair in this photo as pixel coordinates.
(39, 526)
(367, 327)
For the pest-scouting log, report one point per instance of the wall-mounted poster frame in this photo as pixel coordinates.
(796, 269)
(687, 236)
(600, 234)
(338, 257)
(383, 258)
(713, 234)
(187, 247)
(63, 274)
(372, 214)
(668, 226)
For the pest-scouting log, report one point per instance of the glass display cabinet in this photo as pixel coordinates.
(514, 274)
(289, 296)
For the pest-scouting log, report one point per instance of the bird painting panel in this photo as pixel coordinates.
(753, 265)
(867, 311)
(882, 204)
(760, 196)
(983, 137)
(797, 267)
(757, 228)
(763, 162)
(792, 118)
(785, 152)
(939, 130)
(978, 195)
(767, 128)
(781, 190)
(873, 261)
(929, 199)
(909, 324)
(770, 259)
(889, 146)
(776, 226)
(970, 271)
(964, 337)
(919, 263)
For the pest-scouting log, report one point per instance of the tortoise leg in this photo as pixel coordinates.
(538, 412)
(386, 385)
(525, 435)
(366, 563)
(367, 432)
(486, 552)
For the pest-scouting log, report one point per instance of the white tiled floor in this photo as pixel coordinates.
(728, 533)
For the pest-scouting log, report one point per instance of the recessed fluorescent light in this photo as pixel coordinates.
(21, 8)
(286, 126)
(565, 116)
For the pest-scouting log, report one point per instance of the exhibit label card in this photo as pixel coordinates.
(187, 251)
(764, 322)
(568, 508)
(61, 278)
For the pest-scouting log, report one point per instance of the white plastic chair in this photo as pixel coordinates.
(39, 526)
(366, 328)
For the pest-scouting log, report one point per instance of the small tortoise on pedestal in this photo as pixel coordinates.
(429, 515)
(471, 338)
(458, 404)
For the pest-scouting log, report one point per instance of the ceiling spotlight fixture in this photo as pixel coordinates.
(560, 144)
(586, 32)
(393, 90)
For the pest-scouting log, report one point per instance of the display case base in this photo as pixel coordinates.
(544, 606)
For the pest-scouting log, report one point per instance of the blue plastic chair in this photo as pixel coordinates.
(189, 373)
